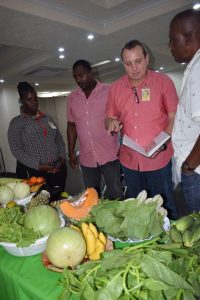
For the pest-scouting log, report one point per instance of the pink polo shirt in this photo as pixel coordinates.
(144, 120)
(96, 146)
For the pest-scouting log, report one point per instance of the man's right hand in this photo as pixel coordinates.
(46, 168)
(113, 125)
(73, 161)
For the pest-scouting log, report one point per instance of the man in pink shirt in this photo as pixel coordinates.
(86, 112)
(144, 103)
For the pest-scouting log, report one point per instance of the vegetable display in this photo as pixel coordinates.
(66, 247)
(186, 230)
(12, 229)
(42, 218)
(135, 219)
(149, 271)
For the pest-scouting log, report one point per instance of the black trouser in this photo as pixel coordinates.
(110, 171)
(58, 179)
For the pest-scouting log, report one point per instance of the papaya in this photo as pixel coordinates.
(80, 208)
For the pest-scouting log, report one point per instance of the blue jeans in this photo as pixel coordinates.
(154, 182)
(190, 183)
(110, 171)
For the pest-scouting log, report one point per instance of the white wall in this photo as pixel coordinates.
(177, 79)
(9, 108)
(56, 107)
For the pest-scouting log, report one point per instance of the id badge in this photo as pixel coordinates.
(52, 125)
(145, 94)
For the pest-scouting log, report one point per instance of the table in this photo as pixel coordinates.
(25, 278)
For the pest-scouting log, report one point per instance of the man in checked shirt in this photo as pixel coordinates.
(86, 111)
(36, 142)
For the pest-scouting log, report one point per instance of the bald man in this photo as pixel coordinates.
(184, 43)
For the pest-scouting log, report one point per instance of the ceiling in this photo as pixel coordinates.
(32, 31)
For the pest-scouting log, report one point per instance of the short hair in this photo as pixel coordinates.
(187, 14)
(131, 45)
(82, 62)
(24, 87)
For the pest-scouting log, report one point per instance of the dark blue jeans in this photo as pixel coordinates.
(110, 171)
(154, 182)
(190, 183)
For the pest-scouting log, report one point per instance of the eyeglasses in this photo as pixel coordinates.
(135, 94)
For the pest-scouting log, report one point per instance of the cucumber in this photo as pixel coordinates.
(187, 238)
(196, 234)
(184, 223)
(175, 235)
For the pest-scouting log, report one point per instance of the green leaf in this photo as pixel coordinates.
(112, 290)
(159, 271)
(156, 285)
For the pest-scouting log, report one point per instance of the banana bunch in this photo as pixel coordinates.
(95, 241)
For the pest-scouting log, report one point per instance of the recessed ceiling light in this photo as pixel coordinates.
(117, 59)
(196, 6)
(61, 56)
(2, 80)
(90, 36)
(61, 49)
(101, 63)
(183, 63)
(36, 83)
(53, 94)
(161, 68)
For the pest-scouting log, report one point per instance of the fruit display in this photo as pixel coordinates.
(95, 241)
(152, 262)
(66, 247)
(42, 218)
(80, 207)
(41, 198)
(35, 183)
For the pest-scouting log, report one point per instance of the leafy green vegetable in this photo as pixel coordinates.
(142, 272)
(12, 229)
(131, 219)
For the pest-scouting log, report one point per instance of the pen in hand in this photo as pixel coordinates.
(114, 132)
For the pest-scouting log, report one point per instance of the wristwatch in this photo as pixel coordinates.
(186, 167)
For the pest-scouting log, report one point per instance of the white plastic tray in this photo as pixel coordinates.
(36, 248)
(24, 201)
(166, 227)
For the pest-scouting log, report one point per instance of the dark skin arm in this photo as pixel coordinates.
(52, 169)
(72, 137)
(193, 159)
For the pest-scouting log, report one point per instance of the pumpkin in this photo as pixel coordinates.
(80, 208)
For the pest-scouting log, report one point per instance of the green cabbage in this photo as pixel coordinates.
(21, 190)
(6, 194)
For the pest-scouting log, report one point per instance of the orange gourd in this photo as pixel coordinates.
(80, 208)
